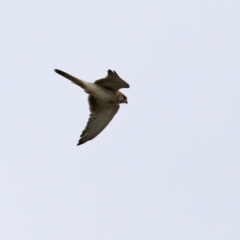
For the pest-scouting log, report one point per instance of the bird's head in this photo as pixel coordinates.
(122, 98)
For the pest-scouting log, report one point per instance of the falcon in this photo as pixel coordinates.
(104, 100)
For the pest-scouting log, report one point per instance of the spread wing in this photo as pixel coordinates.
(73, 79)
(112, 82)
(101, 114)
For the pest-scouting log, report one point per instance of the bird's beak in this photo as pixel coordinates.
(126, 101)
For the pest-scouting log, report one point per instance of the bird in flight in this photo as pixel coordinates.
(104, 99)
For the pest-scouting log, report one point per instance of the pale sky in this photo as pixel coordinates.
(167, 166)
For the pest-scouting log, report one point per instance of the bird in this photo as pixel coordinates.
(104, 99)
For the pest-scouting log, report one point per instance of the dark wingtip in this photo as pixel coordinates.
(58, 71)
(62, 73)
(80, 142)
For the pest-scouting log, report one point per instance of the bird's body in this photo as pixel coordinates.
(104, 99)
(100, 93)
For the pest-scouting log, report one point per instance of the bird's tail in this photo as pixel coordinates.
(73, 79)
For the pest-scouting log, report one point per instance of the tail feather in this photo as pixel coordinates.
(71, 78)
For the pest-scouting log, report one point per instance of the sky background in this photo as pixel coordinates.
(167, 166)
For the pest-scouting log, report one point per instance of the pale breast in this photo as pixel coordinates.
(100, 93)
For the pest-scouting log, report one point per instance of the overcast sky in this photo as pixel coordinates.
(167, 166)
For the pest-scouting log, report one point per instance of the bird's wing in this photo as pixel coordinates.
(112, 82)
(73, 79)
(101, 114)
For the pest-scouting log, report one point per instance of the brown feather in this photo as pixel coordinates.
(101, 114)
(112, 82)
